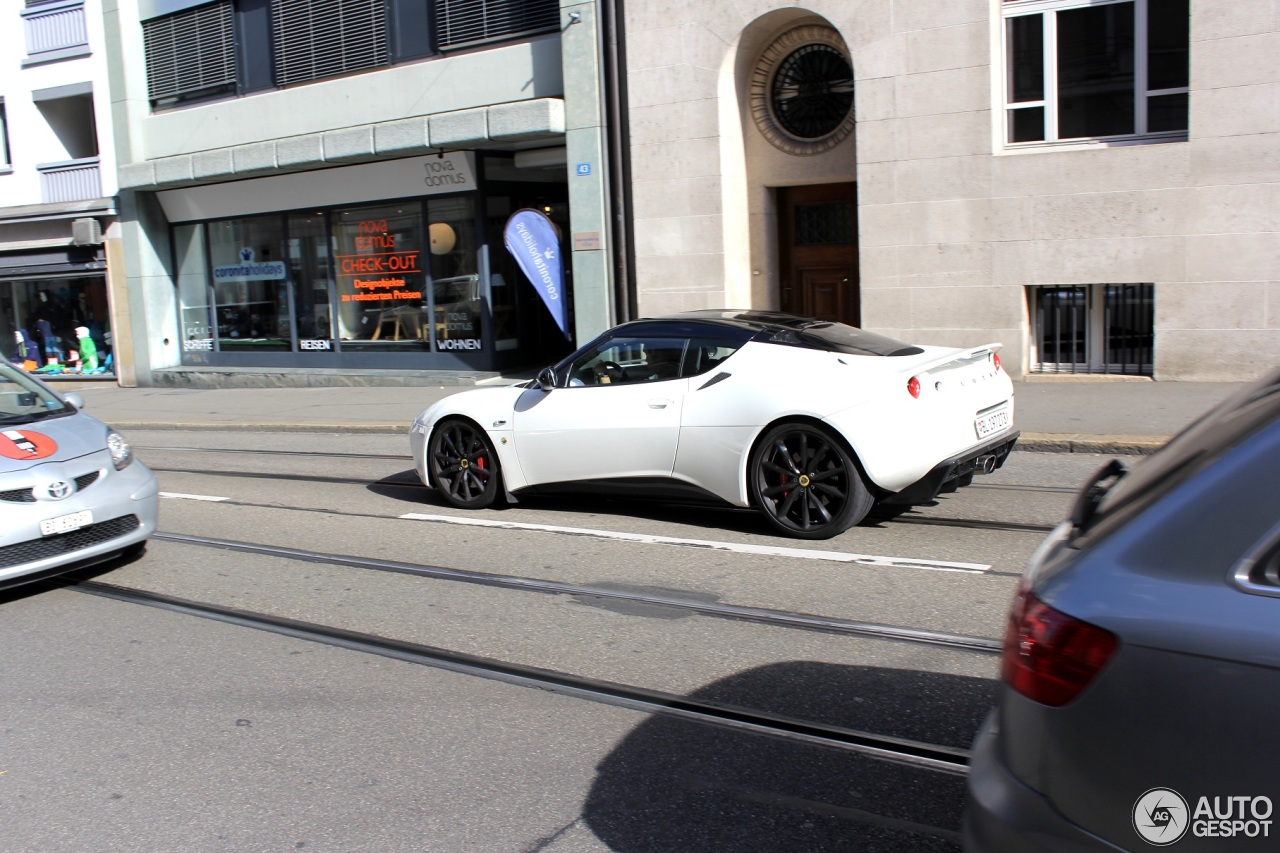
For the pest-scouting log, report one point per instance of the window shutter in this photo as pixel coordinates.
(323, 38)
(190, 52)
(465, 22)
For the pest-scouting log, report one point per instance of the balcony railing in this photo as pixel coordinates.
(72, 180)
(55, 29)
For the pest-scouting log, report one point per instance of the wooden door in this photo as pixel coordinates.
(818, 252)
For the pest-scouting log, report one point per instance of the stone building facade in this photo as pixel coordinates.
(1091, 182)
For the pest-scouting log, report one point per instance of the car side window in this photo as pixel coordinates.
(628, 360)
(707, 354)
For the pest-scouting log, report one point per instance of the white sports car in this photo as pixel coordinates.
(810, 422)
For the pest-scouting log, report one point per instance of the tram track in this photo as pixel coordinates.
(718, 610)
(933, 757)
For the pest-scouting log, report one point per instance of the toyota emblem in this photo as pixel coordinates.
(59, 489)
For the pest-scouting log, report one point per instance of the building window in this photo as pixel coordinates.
(190, 54)
(324, 38)
(802, 91)
(1096, 69)
(1093, 328)
(5, 163)
(241, 47)
(468, 22)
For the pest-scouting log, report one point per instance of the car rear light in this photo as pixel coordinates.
(995, 361)
(913, 387)
(1050, 657)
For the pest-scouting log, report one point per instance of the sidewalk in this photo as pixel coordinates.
(1119, 417)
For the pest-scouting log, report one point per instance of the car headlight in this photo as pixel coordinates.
(121, 453)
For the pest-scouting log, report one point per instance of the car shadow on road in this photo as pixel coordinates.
(403, 486)
(674, 784)
(407, 488)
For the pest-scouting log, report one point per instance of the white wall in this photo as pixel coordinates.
(32, 140)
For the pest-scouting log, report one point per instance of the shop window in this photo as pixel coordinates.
(456, 304)
(1094, 328)
(58, 327)
(379, 277)
(1096, 69)
(310, 269)
(250, 284)
(194, 306)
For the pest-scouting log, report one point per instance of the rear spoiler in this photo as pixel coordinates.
(957, 358)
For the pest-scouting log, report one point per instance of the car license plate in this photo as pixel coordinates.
(992, 422)
(65, 523)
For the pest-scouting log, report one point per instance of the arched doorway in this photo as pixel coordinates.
(801, 99)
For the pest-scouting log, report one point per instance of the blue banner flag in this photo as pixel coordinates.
(532, 239)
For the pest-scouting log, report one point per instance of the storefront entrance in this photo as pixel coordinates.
(57, 327)
(422, 282)
(818, 250)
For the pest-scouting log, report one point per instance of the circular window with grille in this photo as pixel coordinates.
(802, 91)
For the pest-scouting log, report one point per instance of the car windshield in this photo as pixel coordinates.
(22, 399)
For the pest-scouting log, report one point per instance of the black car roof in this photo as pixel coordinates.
(771, 326)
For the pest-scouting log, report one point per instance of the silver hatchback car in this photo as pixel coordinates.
(71, 491)
(1141, 667)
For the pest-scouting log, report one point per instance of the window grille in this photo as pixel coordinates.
(190, 53)
(464, 22)
(1096, 328)
(829, 224)
(324, 38)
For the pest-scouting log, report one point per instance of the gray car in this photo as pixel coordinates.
(1141, 668)
(71, 491)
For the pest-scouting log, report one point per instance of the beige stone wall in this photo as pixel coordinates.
(952, 229)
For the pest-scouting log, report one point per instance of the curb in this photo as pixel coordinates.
(1120, 445)
(265, 426)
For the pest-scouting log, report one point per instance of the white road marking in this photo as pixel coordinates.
(181, 496)
(741, 548)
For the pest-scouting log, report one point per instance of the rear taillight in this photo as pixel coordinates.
(913, 387)
(1050, 657)
(995, 361)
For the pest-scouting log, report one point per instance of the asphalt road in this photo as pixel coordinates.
(135, 727)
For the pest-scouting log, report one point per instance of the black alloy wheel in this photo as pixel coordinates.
(806, 483)
(464, 466)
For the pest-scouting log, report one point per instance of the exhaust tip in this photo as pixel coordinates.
(985, 464)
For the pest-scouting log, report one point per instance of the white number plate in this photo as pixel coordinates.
(992, 422)
(65, 523)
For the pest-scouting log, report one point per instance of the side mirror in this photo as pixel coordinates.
(546, 379)
(74, 399)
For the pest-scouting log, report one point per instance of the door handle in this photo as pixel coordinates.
(659, 404)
